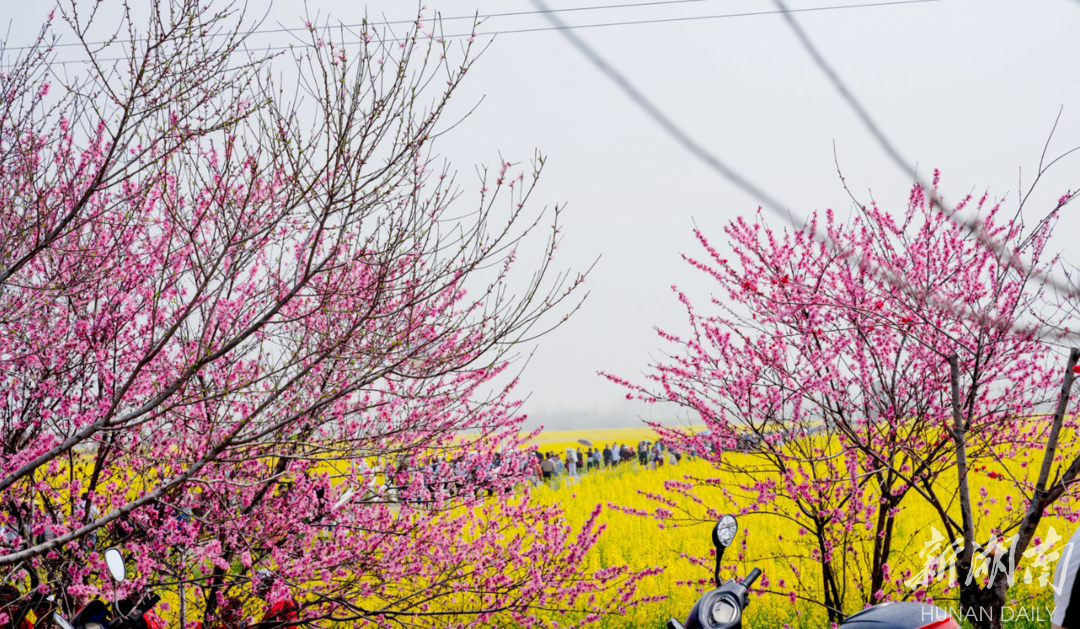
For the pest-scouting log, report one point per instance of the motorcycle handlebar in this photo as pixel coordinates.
(750, 578)
(135, 613)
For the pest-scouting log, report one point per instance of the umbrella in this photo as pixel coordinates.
(585, 442)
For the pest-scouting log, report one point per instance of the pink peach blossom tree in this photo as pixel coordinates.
(244, 330)
(864, 364)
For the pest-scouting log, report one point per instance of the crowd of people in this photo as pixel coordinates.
(574, 462)
(492, 474)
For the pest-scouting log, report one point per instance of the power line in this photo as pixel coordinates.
(839, 7)
(521, 13)
(478, 17)
(561, 26)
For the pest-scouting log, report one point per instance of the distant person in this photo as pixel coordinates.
(643, 453)
(560, 469)
(547, 468)
(607, 455)
(493, 472)
(9, 606)
(571, 462)
(284, 613)
(536, 472)
(580, 459)
(446, 474)
(94, 514)
(673, 458)
(230, 615)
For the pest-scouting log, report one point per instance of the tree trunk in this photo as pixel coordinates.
(981, 605)
(963, 492)
(833, 604)
(882, 548)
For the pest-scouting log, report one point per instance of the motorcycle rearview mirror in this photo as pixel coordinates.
(671, 624)
(722, 536)
(724, 531)
(62, 622)
(115, 562)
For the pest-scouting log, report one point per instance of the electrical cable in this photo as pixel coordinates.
(564, 27)
(474, 16)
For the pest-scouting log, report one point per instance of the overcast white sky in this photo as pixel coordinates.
(968, 86)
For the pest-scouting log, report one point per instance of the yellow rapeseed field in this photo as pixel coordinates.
(641, 542)
(765, 540)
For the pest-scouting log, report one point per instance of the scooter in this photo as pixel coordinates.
(125, 614)
(722, 607)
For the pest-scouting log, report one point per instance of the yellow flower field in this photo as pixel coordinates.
(641, 541)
